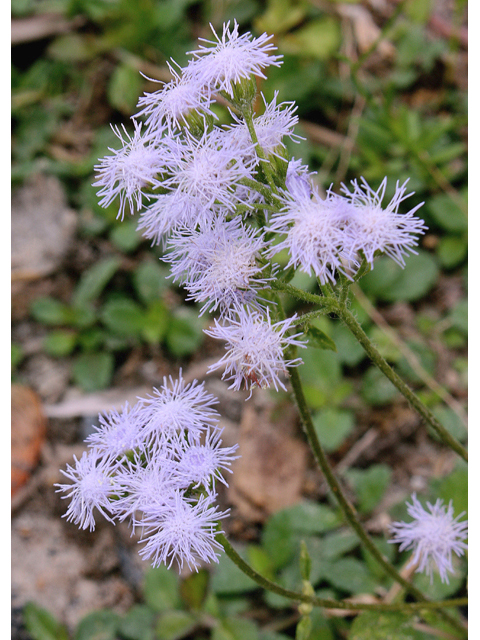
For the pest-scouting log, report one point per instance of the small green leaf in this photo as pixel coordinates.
(319, 38)
(228, 579)
(155, 322)
(123, 317)
(349, 575)
(60, 343)
(455, 488)
(451, 421)
(41, 624)
(235, 629)
(459, 316)
(319, 339)
(336, 544)
(376, 625)
(50, 311)
(137, 624)
(94, 280)
(124, 88)
(305, 562)
(184, 334)
(194, 589)
(447, 213)
(174, 625)
(304, 627)
(17, 355)
(93, 371)
(125, 236)
(332, 426)
(452, 251)
(161, 589)
(376, 389)
(370, 485)
(100, 625)
(150, 281)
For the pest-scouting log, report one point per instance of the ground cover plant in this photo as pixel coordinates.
(213, 187)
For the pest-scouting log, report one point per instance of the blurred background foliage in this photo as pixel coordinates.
(381, 90)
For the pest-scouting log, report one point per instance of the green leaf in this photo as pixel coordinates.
(125, 236)
(370, 485)
(235, 629)
(41, 624)
(161, 589)
(124, 88)
(184, 334)
(174, 625)
(304, 627)
(349, 575)
(137, 624)
(459, 316)
(438, 590)
(94, 280)
(60, 343)
(455, 488)
(350, 351)
(228, 579)
(100, 625)
(155, 322)
(123, 316)
(150, 281)
(447, 213)
(319, 38)
(72, 47)
(17, 355)
(93, 371)
(334, 545)
(452, 251)
(50, 311)
(194, 589)
(376, 625)
(332, 426)
(451, 421)
(376, 389)
(319, 339)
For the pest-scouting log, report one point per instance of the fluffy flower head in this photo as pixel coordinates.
(433, 536)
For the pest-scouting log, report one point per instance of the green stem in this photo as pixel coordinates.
(248, 116)
(348, 318)
(323, 302)
(346, 507)
(324, 602)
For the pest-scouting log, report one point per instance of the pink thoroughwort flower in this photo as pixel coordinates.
(255, 348)
(433, 536)
(231, 58)
(156, 464)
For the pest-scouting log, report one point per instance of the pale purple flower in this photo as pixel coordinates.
(92, 486)
(181, 531)
(173, 102)
(315, 232)
(131, 171)
(372, 228)
(176, 408)
(118, 432)
(276, 123)
(201, 464)
(255, 348)
(298, 181)
(231, 58)
(432, 536)
(218, 264)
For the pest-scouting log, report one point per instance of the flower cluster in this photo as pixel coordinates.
(205, 192)
(157, 464)
(433, 536)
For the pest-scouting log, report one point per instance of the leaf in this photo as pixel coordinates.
(455, 488)
(459, 316)
(334, 545)
(332, 426)
(184, 334)
(452, 251)
(235, 629)
(319, 38)
(370, 485)
(174, 625)
(50, 311)
(349, 575)
(17, 355)
(451, 421)
(125, 236)
(447, 213)
(41, 624)
(124, 88)
(376, 625)
(194, 589)
(100, 625)
(137, 624)
(319, 339)
(161, 589)
(155, 322)
(228, 579)
(93, 371)
(123, 316)
(376, 389)
(149, 280)
(60, 343)
(94, 280)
